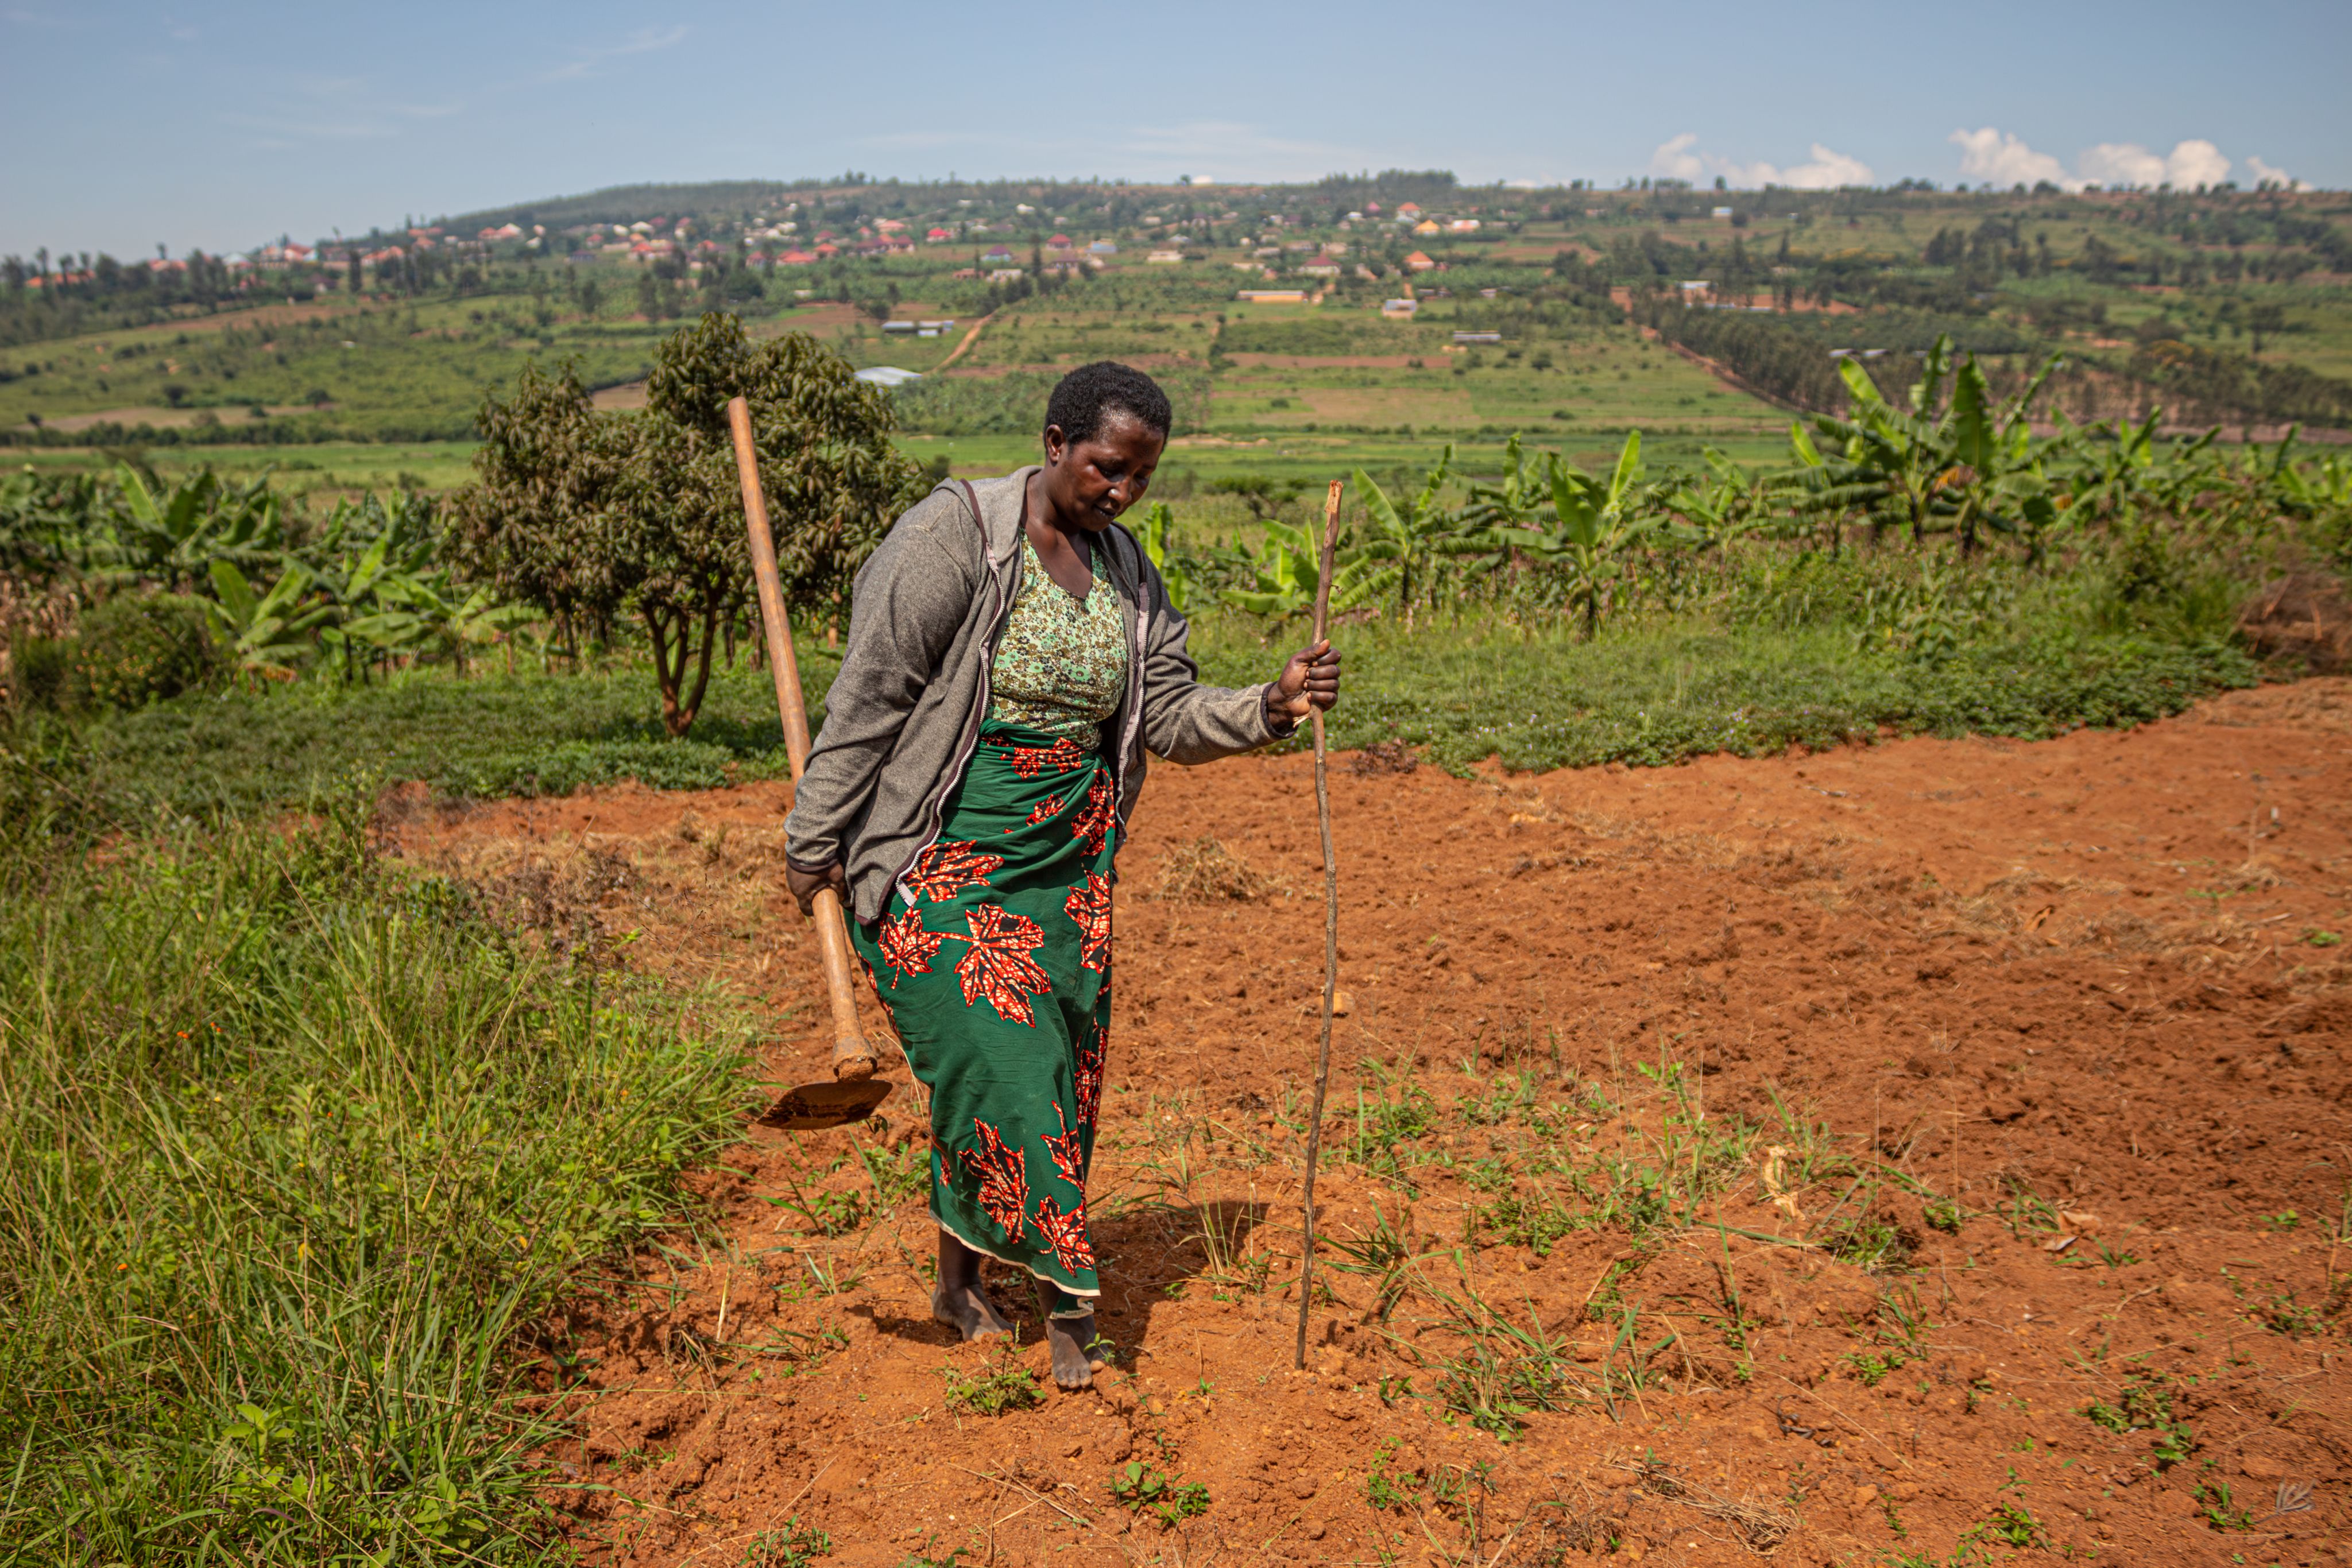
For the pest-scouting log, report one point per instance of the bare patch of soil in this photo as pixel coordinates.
(1871, 1153)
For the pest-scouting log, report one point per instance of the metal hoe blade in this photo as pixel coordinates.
(813, 1107)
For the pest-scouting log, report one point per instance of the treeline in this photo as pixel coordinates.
(1786, 366)
(2203, 385)
(295, 430)
(41, 298)
(1789, 363)
(1015, 403)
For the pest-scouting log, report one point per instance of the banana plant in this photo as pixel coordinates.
(268, 632)
(413, 613)
(1722, 504)
(1287, 569)
(1964, 469)
(2326, 486)
(1412, 538)
(1153, 532)
(175, 539)
(1593, 524)
(1514, 501)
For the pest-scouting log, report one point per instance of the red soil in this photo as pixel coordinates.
(2093, 970)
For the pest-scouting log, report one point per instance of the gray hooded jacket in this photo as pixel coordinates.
(905, 713)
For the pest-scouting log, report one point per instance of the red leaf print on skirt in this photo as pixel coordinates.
(1046, 809)
(998, 965)
(1061, 757)
(1092, 1053)
(1091, 908)
(1094, 823)
(1066, 1234)
(1003, 1174)
(944, 870)
(1068, 1152)
(908, 947)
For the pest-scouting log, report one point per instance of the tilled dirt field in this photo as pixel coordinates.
(1924, 1153)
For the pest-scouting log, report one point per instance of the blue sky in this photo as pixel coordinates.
(222, 125)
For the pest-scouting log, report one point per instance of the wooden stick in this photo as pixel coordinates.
(1330, 924)
(853, 1060)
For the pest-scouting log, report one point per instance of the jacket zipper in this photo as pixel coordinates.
(1134, 709)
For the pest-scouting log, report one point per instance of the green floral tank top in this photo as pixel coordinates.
(1061, 665)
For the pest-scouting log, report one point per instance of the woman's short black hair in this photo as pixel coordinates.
(1086, 395)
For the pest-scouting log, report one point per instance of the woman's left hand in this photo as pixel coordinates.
(1311, 679)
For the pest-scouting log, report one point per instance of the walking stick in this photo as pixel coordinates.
(1331, 924)
(815, 1104)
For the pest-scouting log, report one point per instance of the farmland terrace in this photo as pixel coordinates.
(1699, 318)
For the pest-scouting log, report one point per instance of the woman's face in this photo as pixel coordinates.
(1091, 482)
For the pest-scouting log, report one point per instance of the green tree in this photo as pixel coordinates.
(833, 479)
(543, 520)
(2265, 318)
(593, 515)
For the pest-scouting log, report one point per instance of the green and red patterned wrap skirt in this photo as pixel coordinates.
(997, 978)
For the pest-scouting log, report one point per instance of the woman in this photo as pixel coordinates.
(1013, 658)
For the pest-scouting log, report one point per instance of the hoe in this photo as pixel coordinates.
(853, 1092)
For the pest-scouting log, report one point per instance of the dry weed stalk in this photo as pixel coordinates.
(1762, 1529)
(1204, 871)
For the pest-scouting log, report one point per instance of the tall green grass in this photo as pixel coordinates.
(295, 1148)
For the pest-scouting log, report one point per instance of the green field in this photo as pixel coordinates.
(302, 1150)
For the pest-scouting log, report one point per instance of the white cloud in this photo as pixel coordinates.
(1675, 161)
(1680, 158)
(1990, 156)
(2129, 164)
(2266, 173)
(2001, 159)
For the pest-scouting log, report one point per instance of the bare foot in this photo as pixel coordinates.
(958, 1300)
(968, 1311)
(1076, 1355)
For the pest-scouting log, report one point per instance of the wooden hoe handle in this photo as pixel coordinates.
(853, 1060)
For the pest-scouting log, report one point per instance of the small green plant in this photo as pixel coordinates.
(1534, 1224)
(790, 1544)
(1140, 1487)
(1943, 1214)
(900, 1174)
(2284, 1220)
(1384, 1254)
(1386, 1487)
(2115, 1259)
(2220, 1511)
(2319, 938)
(996, 1389)
(1872, 1367)
(1228, 1261)
(2283, 1314)
(827, 1213)
(2013, 1524)
(2145, 1405)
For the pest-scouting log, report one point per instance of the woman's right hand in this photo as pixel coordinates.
(803, 885)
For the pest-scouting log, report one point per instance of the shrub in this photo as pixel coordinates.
(130, 650)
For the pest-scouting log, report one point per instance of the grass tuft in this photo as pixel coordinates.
(294, 1151)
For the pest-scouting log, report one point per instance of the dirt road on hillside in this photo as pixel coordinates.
(1931, 1147)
